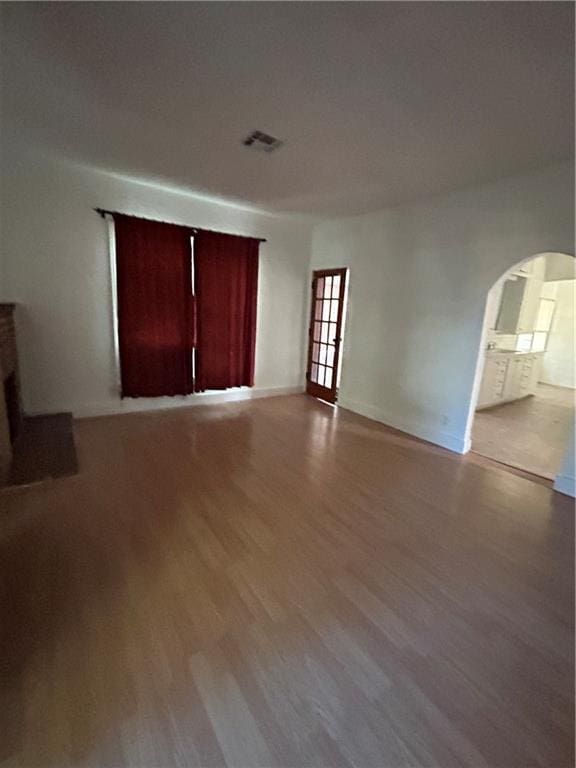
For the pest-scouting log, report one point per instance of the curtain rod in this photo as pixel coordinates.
(103, 212)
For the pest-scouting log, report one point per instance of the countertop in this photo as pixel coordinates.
(509, 353)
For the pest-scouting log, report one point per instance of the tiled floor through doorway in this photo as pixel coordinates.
(530, 434)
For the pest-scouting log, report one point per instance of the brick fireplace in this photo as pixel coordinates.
(10, 408)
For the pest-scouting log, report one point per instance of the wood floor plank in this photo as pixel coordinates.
(235, 727)
(280, 583)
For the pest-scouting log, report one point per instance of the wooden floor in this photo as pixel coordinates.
(530, 434)
(281, 583)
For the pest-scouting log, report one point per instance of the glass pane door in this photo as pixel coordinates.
(328, 290)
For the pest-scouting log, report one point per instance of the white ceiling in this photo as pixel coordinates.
(378, 103)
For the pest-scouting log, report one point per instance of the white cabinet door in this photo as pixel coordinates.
(508, 377)
(526, 375)
(485, 394)
(493, 381)
(522, 378)
(512, 387)
(534, 374)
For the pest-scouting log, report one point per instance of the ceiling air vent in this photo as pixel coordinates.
(262, 142)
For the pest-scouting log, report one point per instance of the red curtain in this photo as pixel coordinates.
(154, 307)
(226, 283)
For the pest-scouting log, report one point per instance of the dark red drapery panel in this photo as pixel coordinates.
(226, 283)
(154, 307)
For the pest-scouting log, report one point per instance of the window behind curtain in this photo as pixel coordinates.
(160, 321)
(226, 276)
(154, 307)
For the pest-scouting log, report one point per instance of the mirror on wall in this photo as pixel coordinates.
(509, 314)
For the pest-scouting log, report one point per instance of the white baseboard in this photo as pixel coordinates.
(142, 404)
(565, 484)
(454, 443)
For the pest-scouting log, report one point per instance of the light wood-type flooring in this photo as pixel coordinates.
(282, 583)
(530, 434)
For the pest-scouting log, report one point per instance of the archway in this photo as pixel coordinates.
(524, 385)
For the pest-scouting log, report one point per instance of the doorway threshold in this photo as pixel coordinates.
(488, 461)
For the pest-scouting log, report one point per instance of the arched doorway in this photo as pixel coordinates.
(522, 410)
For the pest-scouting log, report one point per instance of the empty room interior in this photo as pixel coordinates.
(287, 470)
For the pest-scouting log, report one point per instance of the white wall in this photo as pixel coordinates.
(419, 278)
(57, 269)
(558, 360)
(566, 479)
(560, 266)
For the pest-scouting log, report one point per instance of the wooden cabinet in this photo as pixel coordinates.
(507, 377)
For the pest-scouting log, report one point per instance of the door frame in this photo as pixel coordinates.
(313, 388)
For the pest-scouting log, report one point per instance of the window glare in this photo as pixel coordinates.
(545, 313)
(539, 341)
(524, 342)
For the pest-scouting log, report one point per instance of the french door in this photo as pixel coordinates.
(325, 333)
